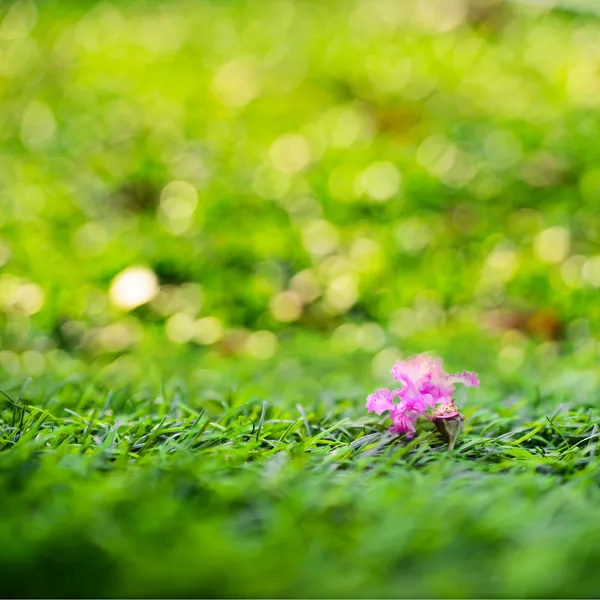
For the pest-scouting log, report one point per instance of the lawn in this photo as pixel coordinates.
(223, 222)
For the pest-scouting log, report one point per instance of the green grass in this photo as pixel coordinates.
(178, 492)
(319, 189)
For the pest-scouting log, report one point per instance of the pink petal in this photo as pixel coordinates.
(403, 423)
(429, 400)
(437, 390)
(380, 401)
(405, 415)
(407, 434)
(424, 375)
(417, 405)
(466, 377)
(417, 368)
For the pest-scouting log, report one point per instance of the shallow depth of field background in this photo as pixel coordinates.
(274, 201)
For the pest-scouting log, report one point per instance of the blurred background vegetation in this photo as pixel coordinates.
(215, 179)
(289, 195)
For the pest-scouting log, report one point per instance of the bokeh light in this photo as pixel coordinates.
(133, 287)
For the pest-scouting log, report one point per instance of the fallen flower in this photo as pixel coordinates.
(425, 385)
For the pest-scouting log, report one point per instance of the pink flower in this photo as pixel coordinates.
(425, 384)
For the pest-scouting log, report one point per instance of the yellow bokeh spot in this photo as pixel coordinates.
(261, 345)
(180, 328)
(342, 293)
(379, 181)
(552, 245)
(208, 330)
(320, 237)
(133, 287)
(286, 306)
(236, 83)
(290, 153)
(591, 271)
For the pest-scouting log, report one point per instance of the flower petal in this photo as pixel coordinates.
(380, 401)
(417, 368)
(417, 405)
(437, 390)
(424, 375)
(403, 423)
(465, 377)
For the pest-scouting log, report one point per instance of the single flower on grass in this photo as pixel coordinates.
(425, 385)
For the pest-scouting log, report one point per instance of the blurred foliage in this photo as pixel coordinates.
(289, 166)
(273, 201)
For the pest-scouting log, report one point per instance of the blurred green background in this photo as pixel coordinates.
(220, 176)
(284, 197)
